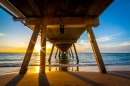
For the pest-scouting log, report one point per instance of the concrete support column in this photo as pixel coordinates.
(72, 52)
(76, 52)
(96, 50)
(43, 49)
(51, 51)
(59, 54)
(29, 50)
(69, 52)
(56, 52)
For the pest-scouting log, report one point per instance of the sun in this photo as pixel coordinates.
(37, 47)
(48, 47)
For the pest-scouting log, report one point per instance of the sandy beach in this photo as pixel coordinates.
(116, 76)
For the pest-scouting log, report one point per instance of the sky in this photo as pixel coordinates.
(112, 35)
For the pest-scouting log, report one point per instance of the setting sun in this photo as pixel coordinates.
(48, 48)
(37, 47)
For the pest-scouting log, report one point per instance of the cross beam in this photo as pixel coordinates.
(93, 21)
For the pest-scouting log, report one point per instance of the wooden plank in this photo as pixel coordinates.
(51, 52)
(76, 53)
(96, 50)
(29, 50)
(43, 49)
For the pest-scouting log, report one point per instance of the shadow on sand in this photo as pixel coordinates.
(120, 74)
(85, 79)
(43, 81)
(15, 80)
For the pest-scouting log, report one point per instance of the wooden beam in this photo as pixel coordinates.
(29, 50)
(63, 41)
(11, 8)
(96, 50)
(93, 21)
(51, 52)
(43, 49)
(56, 52)
(34, 6)
(76, 53)
(6, 10)
(24, 19)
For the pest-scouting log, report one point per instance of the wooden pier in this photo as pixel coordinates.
(61, 22)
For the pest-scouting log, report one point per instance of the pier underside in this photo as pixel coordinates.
(61, 22)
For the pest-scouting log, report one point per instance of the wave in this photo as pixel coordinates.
(85, 59)
(54, 65)
(11, 59)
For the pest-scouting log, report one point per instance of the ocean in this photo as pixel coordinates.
(14, 60)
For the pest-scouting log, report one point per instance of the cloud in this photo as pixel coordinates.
(114, 44)
(127, 43)
(83, 46)
(104, 39)
(115, 47)
(83, 43)
(108, 38)
(2, 34)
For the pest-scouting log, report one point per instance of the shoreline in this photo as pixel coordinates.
(109, 68)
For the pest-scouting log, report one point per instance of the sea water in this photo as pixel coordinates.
(14, 60)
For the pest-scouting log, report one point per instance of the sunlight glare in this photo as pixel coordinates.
(37, 69)
(37, 47)
(48, 47)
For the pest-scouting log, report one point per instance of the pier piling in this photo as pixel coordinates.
(29, 51)
(96, 50)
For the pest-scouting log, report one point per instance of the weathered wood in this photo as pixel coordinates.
(56, 52)
(71, 52)
(51, 51)
(60, 8)
(62, 41)
(76, 53)
(94, 21)
(29, 50)
(43, 49)
(94, 9)
(34, 6)
(96, 50)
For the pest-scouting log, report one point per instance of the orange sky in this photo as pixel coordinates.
(19, 49)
